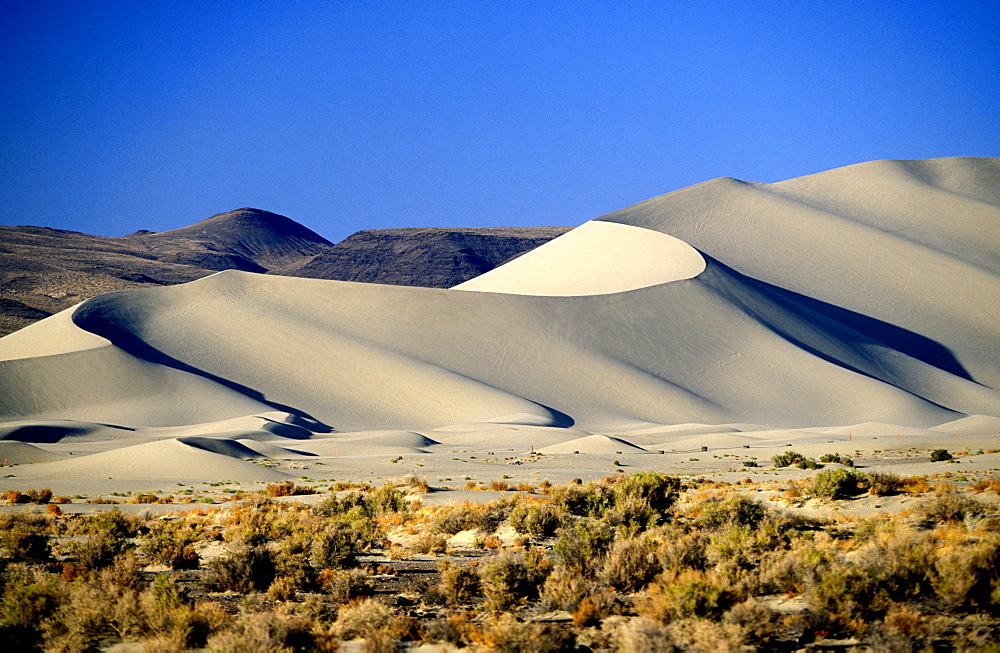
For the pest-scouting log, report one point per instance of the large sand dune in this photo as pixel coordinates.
(867, 296)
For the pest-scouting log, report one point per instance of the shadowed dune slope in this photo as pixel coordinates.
(828, 300)
(911, 244)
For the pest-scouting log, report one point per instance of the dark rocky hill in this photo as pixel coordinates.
(438, 258)
(44, 270)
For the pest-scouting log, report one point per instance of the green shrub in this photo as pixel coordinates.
(29, 598)
(837, 458)
(172, 543)
(540, 521)
(837, 483)
(882, 484)
(787, 458)
(630, 565)
(24, 542)
(244, 569)
(940, 454)
(581, 547)
(688, 594)
(950, 507)
(510, 578)
(453, 519)
(459, 584)
(735, 510)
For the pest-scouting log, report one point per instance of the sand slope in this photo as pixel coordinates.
(867, 296)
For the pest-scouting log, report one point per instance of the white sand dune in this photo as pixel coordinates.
(971, 425)
(271, 450)
(727, 312)
(596, 443)
(165, 459)
(596, 258)
(13, 452)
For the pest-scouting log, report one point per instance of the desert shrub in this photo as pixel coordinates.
(899, 564)
(940, 454)
(644, 635)
(563, 590)
(734, 510)
(23, 541)
(903, 629)
(453, 519)
(631, 514)
(950, 507)
(459, 583)
(540, 521)
(100, 605)
(244, 569)
(846, 592)
(787, 458)
(107, 537)
(362, 618)
(754, 620)
(837, 483)
(456, 630)
(882, 484)
(265, 631)
(968, 577)
(509, 578)
(687, 594)
(837, 458)
(98, 550)
(345, 585)
(172, 543)
(40, 496)
(29, 598)
(808, 463)
(288, 489)
(506, 633)
(496, 513)
(386, 499)
(590, 500)
(659, 490)
(630, 565)
(581, 547)
(792, 570)
(916, 485)
(427, 542)
(682, 550)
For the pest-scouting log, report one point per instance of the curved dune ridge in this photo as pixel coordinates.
(596, 258)
(732, 312)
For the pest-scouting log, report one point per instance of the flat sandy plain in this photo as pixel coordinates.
(853, 311)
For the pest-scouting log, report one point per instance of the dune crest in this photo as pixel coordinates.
(596, 258)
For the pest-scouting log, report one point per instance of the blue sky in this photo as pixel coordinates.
(118, 116)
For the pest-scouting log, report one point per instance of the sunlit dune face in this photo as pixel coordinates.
(597, 258)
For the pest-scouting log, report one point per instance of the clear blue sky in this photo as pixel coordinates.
(347, 115)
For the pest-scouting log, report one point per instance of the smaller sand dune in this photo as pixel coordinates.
(594, 444)
(230, 448)
(57, 429)
(165, 459)
(13, 452)
(505, 436)
(875, 429)
(271, 450)
(596, 258)
(364, 443)
(971, 425)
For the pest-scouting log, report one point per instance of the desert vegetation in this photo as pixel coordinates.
(631, 562)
